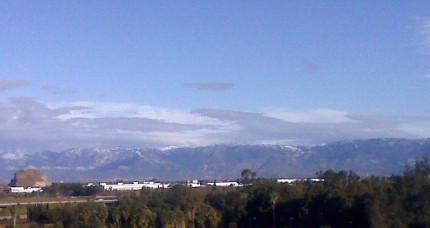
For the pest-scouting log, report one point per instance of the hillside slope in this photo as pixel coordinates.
(366, 157)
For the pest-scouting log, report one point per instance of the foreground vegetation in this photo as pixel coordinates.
(342, 200)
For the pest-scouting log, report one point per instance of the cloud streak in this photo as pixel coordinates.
(55, 90)
(211, 86)
(424, 27)
(309, 66)
(33, 126)
(260, 127)
(313, 116)
(10, 84)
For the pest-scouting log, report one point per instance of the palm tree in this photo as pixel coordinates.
(125, 213)
(274, 197)
(102, 213)
(13, 213)
(116, 216)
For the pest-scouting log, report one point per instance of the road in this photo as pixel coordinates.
(106, 201)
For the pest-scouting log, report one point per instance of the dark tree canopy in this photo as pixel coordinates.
(342, 200)
(248, 175)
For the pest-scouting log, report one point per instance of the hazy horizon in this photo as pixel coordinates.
(158, 74)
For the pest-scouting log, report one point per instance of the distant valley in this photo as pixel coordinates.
(366, 157)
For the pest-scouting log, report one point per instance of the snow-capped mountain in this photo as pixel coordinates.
(366, 157)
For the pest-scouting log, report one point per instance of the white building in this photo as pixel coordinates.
(194, 184)
(225, 184)
(293, 180)
(286, 180)
(132, 187)
(24, 190)
(154, 185)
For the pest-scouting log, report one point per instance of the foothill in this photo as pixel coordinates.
(331, 199)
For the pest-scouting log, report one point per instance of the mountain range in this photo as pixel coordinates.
(365, 157)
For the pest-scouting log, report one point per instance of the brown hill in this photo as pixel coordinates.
(30, 178)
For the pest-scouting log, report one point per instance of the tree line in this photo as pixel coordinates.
(342, 200)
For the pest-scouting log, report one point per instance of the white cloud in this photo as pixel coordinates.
(258, 127)
(27, 123)
(192, 138)
(424, 26)
(33, 126)
(77, 114)
(275, 142)
(11, 168)
(81, 168)
(314, 116)
(16, 155)
(55, 90)
(101, 110)
(211, 86)
(9, 84)
(309, 66)
(175, 116)
(62, 168)
(421, 130)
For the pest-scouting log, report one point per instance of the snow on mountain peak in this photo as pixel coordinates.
(18, 155)
(167, 148)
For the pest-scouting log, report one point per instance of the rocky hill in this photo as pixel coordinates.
(366, 157)
(30, 178)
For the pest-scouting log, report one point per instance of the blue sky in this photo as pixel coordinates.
(192, 73)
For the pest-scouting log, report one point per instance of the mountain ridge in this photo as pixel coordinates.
(383, 156)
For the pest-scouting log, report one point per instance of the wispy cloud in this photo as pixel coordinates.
(257, 127)
(309, 66)
(313, 116)
(28, 124)
(131, 110)
(424, 27)
(31, 125)
(55, 90)
(9, 84)
(211, 86)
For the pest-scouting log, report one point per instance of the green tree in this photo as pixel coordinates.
(274, 198)
(13, 212)
(85, 215)
(102, 213)
(146, 218)
(248, 175)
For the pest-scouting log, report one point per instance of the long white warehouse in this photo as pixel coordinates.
(132, 187)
